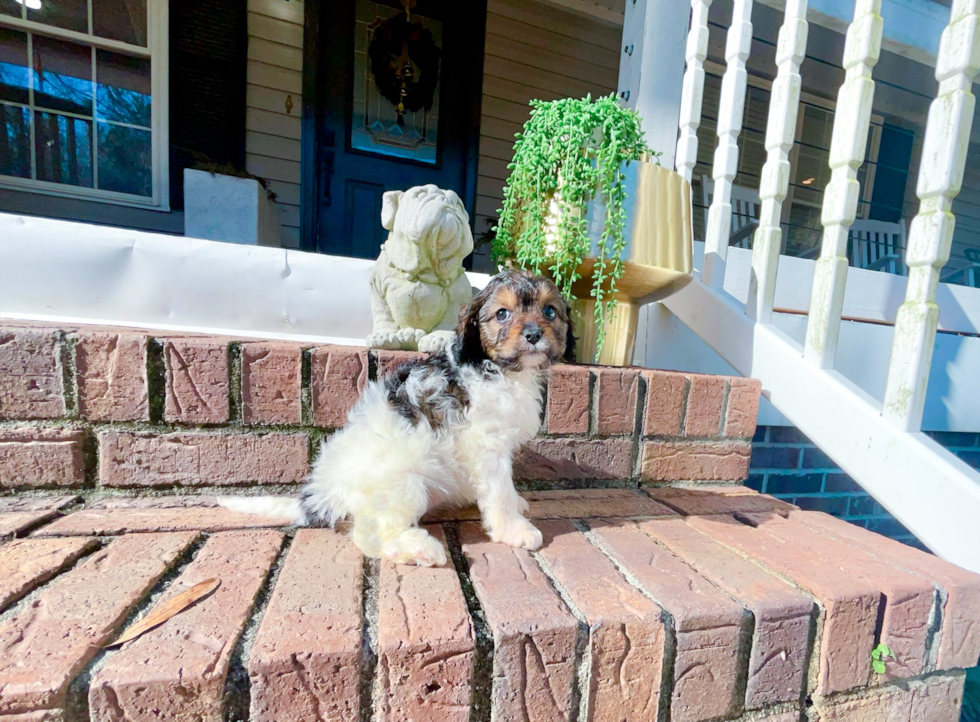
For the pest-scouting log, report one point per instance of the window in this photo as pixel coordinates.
(83, 102)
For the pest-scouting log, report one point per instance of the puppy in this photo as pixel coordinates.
(443, 431)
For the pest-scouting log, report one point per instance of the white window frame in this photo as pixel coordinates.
(157, 51)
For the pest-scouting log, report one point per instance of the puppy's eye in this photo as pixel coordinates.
(550, 313)
(503, 314)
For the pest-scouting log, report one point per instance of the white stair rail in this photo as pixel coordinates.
(731, 107)
(784, 107)
(931, 232)
(928, 489)
(840, 199)
(692, 93)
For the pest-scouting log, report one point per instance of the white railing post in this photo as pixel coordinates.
(692, 93)
(840, 199)
(944, 153)
(784, 107)
(731, 107)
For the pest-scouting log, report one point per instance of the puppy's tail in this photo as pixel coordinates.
(278, 506)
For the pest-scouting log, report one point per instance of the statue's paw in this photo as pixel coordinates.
(384, 339)
(436, 341)
(410, 337)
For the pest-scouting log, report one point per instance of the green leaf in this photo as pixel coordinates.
(885, 651)
(879, 666)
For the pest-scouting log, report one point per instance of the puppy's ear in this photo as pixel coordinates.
(389, 205)
(469, 343)
(569, 355)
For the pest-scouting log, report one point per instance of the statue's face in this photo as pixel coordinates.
(435, 221)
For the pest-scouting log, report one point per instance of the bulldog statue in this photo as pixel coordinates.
(417, 284)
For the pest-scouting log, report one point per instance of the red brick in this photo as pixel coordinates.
(707, 623)
(568, 400)
(14, 522)
(388, 361)
(570, 504)
(49, 642)
(201, 459)
(616, 393)
(960, 634)
(702, 502)
(9, 504)
(111, 376)
(849, 604)
(743, 407)
(626, 630)
(190, 652)
(272, 377)
(197, 380)
(338, 375)
(31, 379)
(908, 598)
(33, 458)
(666, 393)
(935, 699)
(938, 699)
(778, 660)
(306, 660)
(574, 459)
(695, 460)
(111, 522)
(704, 404)
(426, 644)
(46, 715)
(533, 633)
(28, 563)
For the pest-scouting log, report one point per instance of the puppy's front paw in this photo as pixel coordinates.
(518, 533)
(415, 546)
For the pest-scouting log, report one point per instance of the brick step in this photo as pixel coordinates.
(100, 409)
(712, 603)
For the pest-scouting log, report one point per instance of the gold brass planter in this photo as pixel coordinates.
(657, 260)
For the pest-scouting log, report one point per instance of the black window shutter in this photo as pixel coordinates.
(208, 51)
(892, 174)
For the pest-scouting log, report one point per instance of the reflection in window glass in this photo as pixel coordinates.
(123, 88)
(62, 76)
(123, 20)
(10, 7)
(13, 66)
(63, 146)
(15, 141)
(125, 159)
(67, 14)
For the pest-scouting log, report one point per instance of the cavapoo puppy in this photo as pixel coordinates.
(442, 431)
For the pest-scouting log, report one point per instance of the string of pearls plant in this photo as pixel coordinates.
(571, 151)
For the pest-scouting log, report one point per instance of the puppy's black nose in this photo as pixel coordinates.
(532, 332)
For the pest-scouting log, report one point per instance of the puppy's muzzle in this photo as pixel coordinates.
(532, 333)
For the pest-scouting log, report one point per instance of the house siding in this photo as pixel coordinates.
(274, 104)
(533, 50)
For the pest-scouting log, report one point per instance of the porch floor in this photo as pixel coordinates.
(712, 603)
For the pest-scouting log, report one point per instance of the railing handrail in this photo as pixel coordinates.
(933, 493)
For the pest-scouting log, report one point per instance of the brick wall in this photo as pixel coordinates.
(786, 464)
(119, 409)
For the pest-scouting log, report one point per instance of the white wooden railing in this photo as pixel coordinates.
(933, 493)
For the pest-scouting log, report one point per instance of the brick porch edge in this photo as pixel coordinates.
(644, 604)
(92, 408)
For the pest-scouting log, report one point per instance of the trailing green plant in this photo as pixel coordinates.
(570, 151)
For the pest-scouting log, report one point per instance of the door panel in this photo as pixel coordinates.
(358, 142)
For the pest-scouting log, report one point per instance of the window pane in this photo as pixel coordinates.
(15, 141)
(125, 160)
(13, 66)
(63, 147)
(10, 7)
(123, 88)
(123, 20)
(68, 14)
(62, 76)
